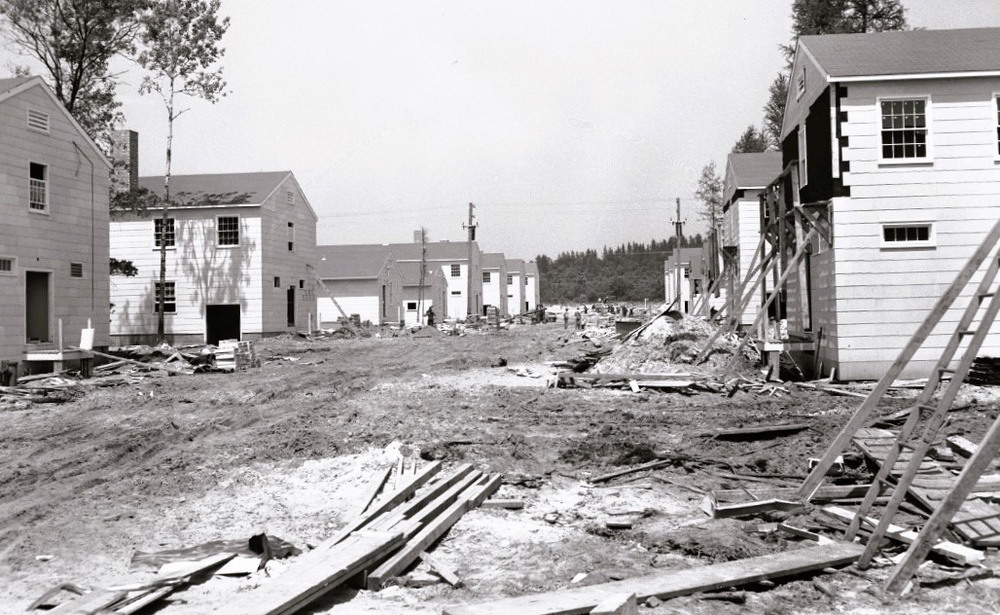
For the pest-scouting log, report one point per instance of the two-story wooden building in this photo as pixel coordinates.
(54, 193)
(747, 176)
(495, 282)
(241, 249)
(891, 149)
(460, 263)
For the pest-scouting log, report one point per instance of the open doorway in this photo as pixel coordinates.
(222, 322)
(36, 306)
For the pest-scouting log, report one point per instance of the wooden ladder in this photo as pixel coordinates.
(937, 414)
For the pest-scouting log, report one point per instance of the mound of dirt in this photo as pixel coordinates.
(669, 344)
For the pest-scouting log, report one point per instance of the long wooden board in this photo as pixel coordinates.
(976, 521)
(959, 554)
(582, 600)
(427, 536)
(313, 574)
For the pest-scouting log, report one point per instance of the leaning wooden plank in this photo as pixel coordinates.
(386, 503)
(313, 574)
(963, 446)
(464, 474)
(578, 601)
(162, 368)
(617, 605)
(144, 600)
(652, 465)
(428, 508)
(960, 554)
(176, 571)
(88, 604)
(376, 484)
(430, 534)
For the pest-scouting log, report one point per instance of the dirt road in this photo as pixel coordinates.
(171, 461)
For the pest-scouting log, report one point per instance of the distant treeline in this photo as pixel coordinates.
(630, 272)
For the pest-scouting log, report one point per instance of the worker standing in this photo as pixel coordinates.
(566, 319)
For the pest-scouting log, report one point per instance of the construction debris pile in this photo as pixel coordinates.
(398, 521)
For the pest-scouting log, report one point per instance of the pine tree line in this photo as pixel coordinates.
(630, 272)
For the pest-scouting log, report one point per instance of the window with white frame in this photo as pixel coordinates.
(169, 297)
(76, 270)
(908, 235)
(456, 293)
(7, 265)
(456, 271)
(291, 236)
(163, 230)
(411, 306)
(277, 281)
(486, 277)
(228, 228)
(38, 192)
(510, 280)
(904, 129)
(38, 120)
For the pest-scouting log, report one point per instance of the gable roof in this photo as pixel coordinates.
(13, 86)
(218, 189)
(436, 250)
(355, 262)
(515, 265)
(493, 260)
(411, 274)
(911, 53)
(531, 268)
(749, 171)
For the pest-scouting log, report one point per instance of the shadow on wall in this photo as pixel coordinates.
(210, 276)
(214, 274)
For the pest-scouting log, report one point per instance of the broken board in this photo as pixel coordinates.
(577, 601)
(976, 521)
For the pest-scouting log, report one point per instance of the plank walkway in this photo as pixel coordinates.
(977, 522)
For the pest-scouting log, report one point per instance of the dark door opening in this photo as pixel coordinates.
(291, 306)
(222, 322)
(36, 306)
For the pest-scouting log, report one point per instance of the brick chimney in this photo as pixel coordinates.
(125, 157)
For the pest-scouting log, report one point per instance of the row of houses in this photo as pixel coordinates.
(239, 249)
(887, 181)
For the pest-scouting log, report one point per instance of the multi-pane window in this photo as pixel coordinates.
(904, 129)
(169, 297)
(229, 230)
(510, 280)
(291, 236)
(6, 265)
(456, 271)
(907, 235)
(486, 277)
(76, 270)
(38, 193)
(164, 230)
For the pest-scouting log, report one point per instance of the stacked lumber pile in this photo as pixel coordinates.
(395, 526)
(985, 371)
(236, 356)
(391, 532)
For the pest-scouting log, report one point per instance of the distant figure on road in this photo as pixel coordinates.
(579, 320)
(566, 319)
(430, 316)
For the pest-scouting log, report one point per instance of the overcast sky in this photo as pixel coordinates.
(570, 124)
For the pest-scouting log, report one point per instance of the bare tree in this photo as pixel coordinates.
(75, 40)
(181, 42)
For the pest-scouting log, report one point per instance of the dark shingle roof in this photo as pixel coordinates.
(219, 188)
(357, 262)
(411, 274)
(493, 260)
(12, 82)
(436, 250)
(912, 52)
(515, 265)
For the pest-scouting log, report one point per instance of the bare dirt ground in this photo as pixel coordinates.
(173, 461)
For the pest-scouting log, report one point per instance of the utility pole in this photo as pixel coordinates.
(471, 226)
(678, 227)
(421, 312)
